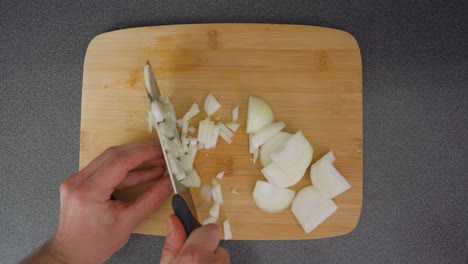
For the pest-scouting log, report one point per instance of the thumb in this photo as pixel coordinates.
(205, 239)
(175, 239)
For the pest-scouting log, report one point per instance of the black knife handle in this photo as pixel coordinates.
(182, 211)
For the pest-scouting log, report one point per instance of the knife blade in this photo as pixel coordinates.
(182, 201)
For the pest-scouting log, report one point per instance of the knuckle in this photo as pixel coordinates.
(65, 187)
(81, 194)
(112, 152)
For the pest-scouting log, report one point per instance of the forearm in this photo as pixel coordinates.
(47, 253)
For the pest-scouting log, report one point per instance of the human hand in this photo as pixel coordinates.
(92, 227)
(200, 247)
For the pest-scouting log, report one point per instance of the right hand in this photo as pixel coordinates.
(200, 247)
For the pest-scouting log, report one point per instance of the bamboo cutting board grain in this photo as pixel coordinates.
(310, 75)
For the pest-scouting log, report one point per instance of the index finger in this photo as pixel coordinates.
(119, 162)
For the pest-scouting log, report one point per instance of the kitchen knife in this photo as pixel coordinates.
(182, 202)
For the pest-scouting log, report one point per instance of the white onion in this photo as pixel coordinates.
(216, 192)
(157, 109)
(192, 179)
(290, 164)
(205, 192)
(326, 178)
(225, 137)
(234, 191)
(169, 111)
(266, 132)
(235, 113)
(166, 130)
(193, 111)
(259, 114)
(185, 126)
(270, 198)
(214, 210)
(227, 230)
(225, 129)
(211, 105)
(176, 167)
(210, 220)
(273, 145)
(220, 175)
(255, 157)
(192, 129)
(251, 147)
(150, 122)
(311, 209)
(233, 126)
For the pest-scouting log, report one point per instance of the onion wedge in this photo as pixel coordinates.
(311, 209)
(270, 198)
(211, 105)
(272, 146)
(326, 178)
(227, 230)
(259, 114)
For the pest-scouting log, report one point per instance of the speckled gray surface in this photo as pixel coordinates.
(415, 83)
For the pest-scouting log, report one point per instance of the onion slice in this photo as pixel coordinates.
(220, 175)
(192, 179)
(216, 192)
(233, 126)
(211, 105)
(311, 209)
(227, 230)
(272, 146)
(264, 134)
(270, 198)
(205, 192)
(259, 114)
(214, 210)
(326, 178)
(235, 113)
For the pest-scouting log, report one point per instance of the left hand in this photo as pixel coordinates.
(91, 227)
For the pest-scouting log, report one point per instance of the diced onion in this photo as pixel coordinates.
(311, 209)
(185, 126)
(234, 191)
(214, 210)
(235, 113)
(259, 114)
(225, 129)
(270, 198)
(193, 111)
(227, 230)
(233, 126)
(220, 175)
(211, 105)
(205, 192)
(191, 129)
(210, 220)
(157, 109)
(267, 132)
(192, 179)
(216, 192)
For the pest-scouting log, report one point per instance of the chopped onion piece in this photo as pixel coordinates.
(259, 114)
(234, 191)
(235, 113)
(169, 112)
(157, 109)
(185, 144)
(185, 126)
(211, 105)
(227, 230)
(213, 136)
(205, 192)
(251, 147)
(220, 175)
(192, 179)
(214, 210)
(210, 220)
(255, 157)
(179, 122)
(178, 145)
(311, 209)
(267, 132)
(176, 167)
(166, 130)
(270, 198)
(226, 138)
(170, 147)
(200, 146)
(218, 118)
(233, 126)
(216, 192)
(193, 111)
(225, 129)
(191, 129)
(272, 146)
(326, 179)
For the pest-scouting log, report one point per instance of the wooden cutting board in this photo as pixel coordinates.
(310, 75)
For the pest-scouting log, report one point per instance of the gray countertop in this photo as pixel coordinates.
(415, 89)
